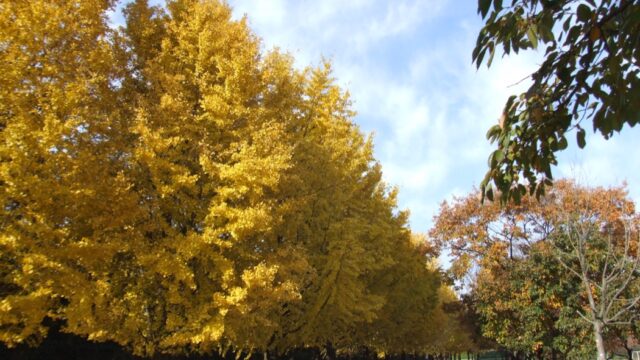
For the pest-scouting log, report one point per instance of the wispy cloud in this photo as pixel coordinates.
(334, 28)
(408, 67)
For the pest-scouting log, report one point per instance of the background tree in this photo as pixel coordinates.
(510, 255)
(590, 73)
(605, 259)
(410, 315)
(449, 332)
(532, 296)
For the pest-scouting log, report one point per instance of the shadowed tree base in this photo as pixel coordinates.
(59, 345)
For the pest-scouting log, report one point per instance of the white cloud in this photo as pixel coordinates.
(408, 67)
(268, 12)
(310, 29)
(604, 162)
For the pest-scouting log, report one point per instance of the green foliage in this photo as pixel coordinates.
(590, 73)
(529, 304)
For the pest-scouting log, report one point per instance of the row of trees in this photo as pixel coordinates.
(549, 277)
(168, 187)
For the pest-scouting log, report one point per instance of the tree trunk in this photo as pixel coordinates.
(628, 348)
(597, 329)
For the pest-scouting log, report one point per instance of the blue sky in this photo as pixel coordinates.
(407, 65)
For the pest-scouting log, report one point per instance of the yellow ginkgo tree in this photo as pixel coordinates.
(169, 187)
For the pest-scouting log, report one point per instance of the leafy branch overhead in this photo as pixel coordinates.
(589, 79)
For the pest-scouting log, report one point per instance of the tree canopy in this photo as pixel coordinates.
(170, 187)
(589, 79)
(538, 284)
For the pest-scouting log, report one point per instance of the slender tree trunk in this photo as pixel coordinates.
(597, 329)
(629, 350)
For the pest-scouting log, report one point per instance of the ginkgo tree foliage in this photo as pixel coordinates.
(170, 187)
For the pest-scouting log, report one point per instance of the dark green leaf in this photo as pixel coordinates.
(480, 57)
(497, 5)
(580, 138)
(572, 35)
(483, 7)
(584, 13)
(546, 166)
(540, 191)
(489, 194)
(517, 196)
(545, 27)
(566, 24)
(493, 132)
(562, 144)
(533, 38)
(492, 52)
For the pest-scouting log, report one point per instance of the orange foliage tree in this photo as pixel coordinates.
(517, 257)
